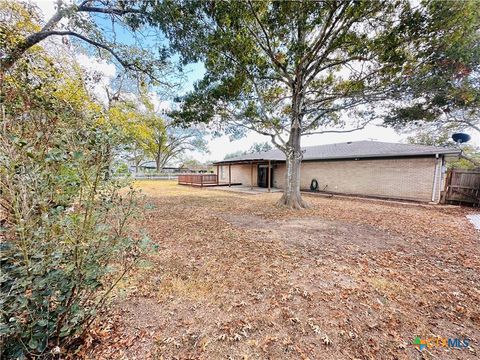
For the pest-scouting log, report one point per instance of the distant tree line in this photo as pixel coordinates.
(255, 148)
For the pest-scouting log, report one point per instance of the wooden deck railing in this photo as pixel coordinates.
(198, 179)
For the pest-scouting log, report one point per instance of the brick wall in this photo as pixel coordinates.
(394, 178)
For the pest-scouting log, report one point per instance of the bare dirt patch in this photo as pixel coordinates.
(316, 233)
(237, 277)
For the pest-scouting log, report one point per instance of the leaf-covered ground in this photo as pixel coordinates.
(236, 277)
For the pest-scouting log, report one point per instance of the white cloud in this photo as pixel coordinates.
(101, 66)
(160, 106)
(48, 7)
(103, 71)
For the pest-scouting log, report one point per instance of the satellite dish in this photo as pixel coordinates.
(460, 138)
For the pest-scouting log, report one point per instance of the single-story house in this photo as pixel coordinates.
(365, 168)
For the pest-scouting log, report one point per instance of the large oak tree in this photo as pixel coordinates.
(291, 68)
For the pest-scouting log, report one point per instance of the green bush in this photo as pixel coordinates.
(64, 217)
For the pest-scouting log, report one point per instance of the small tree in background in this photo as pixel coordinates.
(134, 129)
(255, 148)
(469, 158)
(260, 147)
(149, 134)
(169, 142)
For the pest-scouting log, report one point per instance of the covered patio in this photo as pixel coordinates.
(260, 173)
(255, 173)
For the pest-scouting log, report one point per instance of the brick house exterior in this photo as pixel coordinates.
(365, 168)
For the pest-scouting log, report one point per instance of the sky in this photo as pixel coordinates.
(220, 146)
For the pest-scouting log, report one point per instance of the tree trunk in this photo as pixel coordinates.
(135, 160)
(291, 194)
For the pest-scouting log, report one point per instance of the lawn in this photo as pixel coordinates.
(236, 277)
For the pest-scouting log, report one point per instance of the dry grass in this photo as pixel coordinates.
(237, 277)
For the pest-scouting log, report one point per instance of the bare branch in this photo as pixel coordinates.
(92, 42)
(267, 48)
(112, 11)
(319, 41)
(339, 131)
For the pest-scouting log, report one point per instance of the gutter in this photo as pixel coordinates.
(435, 178)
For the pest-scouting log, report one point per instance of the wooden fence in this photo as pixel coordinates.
(462, 187)
(198, 179)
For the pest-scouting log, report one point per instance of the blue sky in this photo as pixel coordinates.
(222, 145)
(152, 40)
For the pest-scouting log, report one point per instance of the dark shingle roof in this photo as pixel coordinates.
(350, 150)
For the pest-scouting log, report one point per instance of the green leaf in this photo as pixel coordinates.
(32, 344)
(77, 155)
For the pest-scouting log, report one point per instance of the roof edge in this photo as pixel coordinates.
(385, 156)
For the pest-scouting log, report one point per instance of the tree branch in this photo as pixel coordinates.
(94, 43)
(338, 131)
(469, 158)
(268, 48)
(112, 11)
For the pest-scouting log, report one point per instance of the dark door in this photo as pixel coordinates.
(262, 176)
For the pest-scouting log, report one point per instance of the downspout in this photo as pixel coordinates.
(435, 179)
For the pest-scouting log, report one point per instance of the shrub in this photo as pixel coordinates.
(65, 241)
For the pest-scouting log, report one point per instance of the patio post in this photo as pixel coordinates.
(229, 175)
(251, 174)
(217, 173)
(268, 176)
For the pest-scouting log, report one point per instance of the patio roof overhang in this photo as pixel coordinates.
(450, 153)
(246, 162)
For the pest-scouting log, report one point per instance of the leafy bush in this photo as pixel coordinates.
(64, 217)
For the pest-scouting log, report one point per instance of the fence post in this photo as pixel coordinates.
(448, 179)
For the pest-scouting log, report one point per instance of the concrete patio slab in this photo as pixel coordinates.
(245, 189)
(475, 220)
